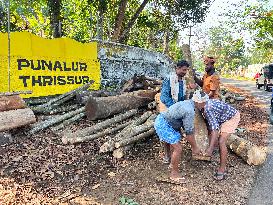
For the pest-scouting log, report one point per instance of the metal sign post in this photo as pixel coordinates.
(9, 45)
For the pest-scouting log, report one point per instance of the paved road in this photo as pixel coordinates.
(263, 96)
(262, 191)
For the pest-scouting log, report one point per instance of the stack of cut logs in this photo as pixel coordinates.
(123, 118)
(14, 112)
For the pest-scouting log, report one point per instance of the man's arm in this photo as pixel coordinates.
(214, 85)
(198, 81)
(188, 123)
(165, 96)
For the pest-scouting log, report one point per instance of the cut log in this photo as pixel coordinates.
(200, 131)
(133, 139)
(76, 139)
(11, 102)
(16, 118)
(110, 144)
(99, 126)
(61, 109)
(45, 124)
(121, 152)
(160, 107)
(99, 108)
(61, 99)
(68, 121)
(249, 152)
(16, 93)
(83, 96)
(129, 131)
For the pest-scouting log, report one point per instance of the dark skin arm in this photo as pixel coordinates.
(198, 81)
(211, 93)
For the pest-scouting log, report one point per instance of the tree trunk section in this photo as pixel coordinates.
(166, 43)
(249, 152)
(99, 126)
(119, 19)
(132, 21)
(55, 102)
(11, 102)
(133, 139)
(99, 108)
(45, 124)
(16, 118)
(76, 139)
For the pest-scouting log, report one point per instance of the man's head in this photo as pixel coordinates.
(209, 63)
(200, 98)
(182, 68)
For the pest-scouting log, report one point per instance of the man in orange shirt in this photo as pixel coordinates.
(211, 80)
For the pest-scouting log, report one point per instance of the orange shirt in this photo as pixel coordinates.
(212, 82)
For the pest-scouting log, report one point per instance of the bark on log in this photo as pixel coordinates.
(99, 126)
(45, 124)
(98, 108)
(250, 153)
(200, 131)
(121, 152)
(11, 102)
(62, 98)
(133, 139)
(61, 109)
(16, 93)
(76, 139)
(16, 118)
(68, 121)
(131, 130)
(82, 97)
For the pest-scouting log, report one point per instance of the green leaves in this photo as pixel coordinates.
(127, 201)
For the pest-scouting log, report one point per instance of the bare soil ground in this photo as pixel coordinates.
(40, 170)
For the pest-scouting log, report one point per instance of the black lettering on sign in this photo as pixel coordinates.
(22, 63)
(46, 64)
(83, 67)
(75, 67)
(70, 80)
(47, 80)
(37, 81)
(78, 79)
(24, 78)
(61, 80)
(85, 79)
(57, 65)
(33, 66)
(66, 68)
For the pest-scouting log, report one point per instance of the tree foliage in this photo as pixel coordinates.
(150, 24)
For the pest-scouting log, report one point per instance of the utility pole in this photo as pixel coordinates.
(9, 45)
(190, 35)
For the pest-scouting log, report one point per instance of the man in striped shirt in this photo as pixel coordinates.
(222, 120)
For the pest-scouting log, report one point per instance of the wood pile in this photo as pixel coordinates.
(14, 112)
(126, 116)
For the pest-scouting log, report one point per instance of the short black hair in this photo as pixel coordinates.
(182, 63)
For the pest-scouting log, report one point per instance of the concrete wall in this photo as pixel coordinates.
(120, 62)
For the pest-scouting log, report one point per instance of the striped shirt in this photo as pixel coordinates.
(217, 112)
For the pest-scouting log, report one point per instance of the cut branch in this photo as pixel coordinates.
(76, 139)
(133, 139)
(45, 124)
(99, 126)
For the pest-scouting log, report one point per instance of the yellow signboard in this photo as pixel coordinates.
(46, 67)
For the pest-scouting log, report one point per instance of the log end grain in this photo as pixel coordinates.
(256, 155)
(91, 108)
